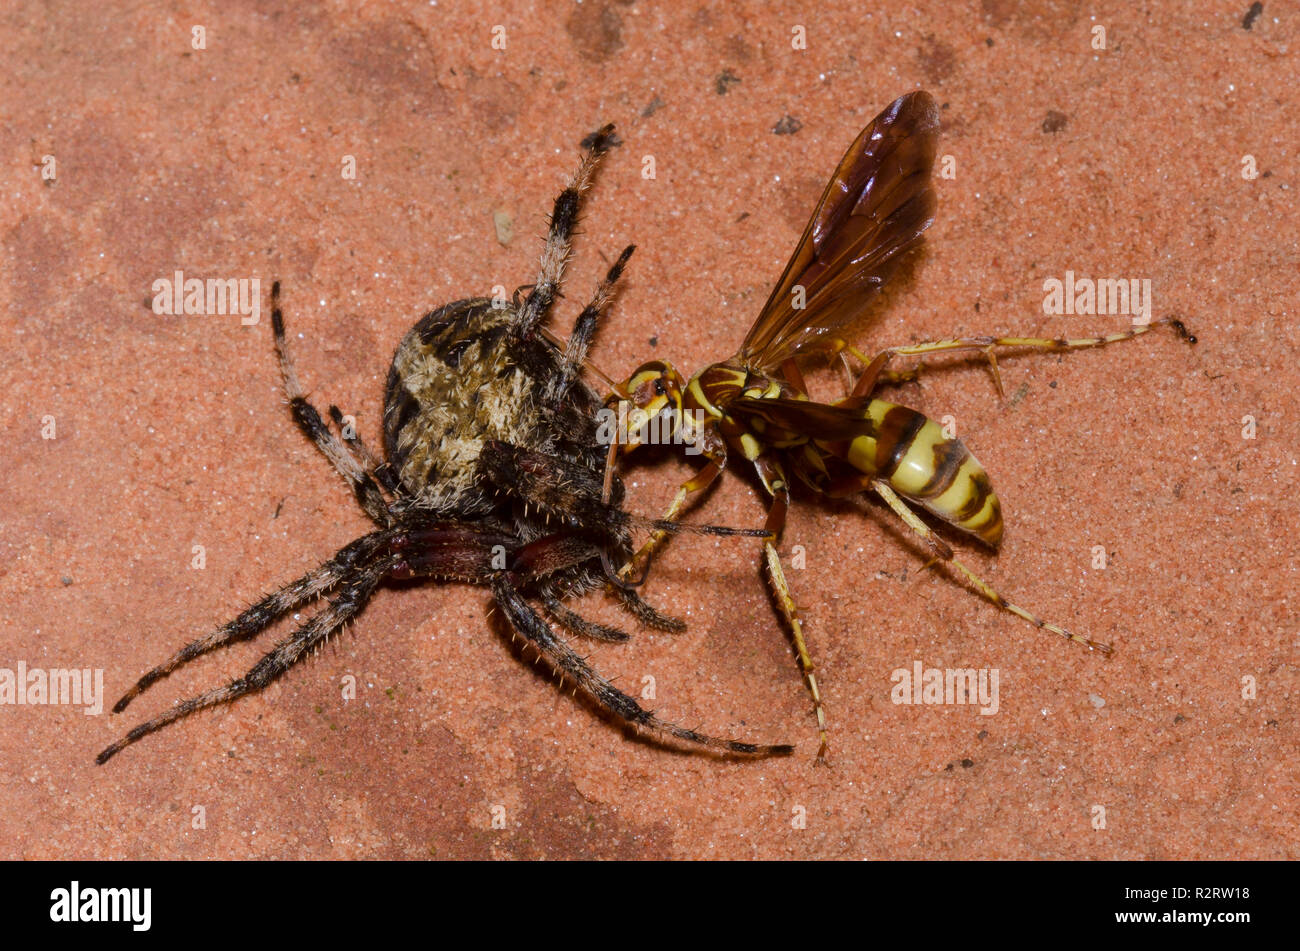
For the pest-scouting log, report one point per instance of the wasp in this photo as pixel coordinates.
(492, 474)
(756, 406)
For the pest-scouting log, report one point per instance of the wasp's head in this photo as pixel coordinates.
(654, 390)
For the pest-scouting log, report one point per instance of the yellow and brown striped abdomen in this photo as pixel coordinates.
(911, 452)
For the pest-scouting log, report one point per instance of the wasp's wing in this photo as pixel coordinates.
(828, 422)
(875, 207)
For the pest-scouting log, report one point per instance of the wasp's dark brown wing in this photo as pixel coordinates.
(831, 423)
(876, 206)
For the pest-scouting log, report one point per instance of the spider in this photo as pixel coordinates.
(493, 475)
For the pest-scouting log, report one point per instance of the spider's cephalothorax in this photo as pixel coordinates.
(494, 476)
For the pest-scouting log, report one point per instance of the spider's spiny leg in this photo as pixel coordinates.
(351, 599)
(310, 422)
(647, 614)
(575, 351)
(380, 470)
(577, 623)
(554, 486)
(258, 617)
(609, 382)
(618, 704)
(555, 254)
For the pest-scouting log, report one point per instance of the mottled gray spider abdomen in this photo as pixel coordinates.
(453, 383)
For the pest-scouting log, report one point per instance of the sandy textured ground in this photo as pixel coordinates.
(170, 432)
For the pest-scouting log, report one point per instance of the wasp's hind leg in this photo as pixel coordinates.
(875, 370)
(943, 552)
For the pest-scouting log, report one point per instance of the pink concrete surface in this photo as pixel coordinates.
(172, 432)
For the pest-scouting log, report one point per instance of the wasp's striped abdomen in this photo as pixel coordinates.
(911, 452)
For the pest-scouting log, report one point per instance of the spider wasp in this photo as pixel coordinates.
(875, 209)
(493, 475)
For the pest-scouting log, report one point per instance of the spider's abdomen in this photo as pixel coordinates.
(453, 384)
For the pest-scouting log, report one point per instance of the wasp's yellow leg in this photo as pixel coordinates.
(989, 345)
(700, 481)
(941, 550)
(775, 482)
(875, 372)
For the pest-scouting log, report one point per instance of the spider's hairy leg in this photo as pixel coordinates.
(645, 613)
(310, 422)
(566, 662)
(631, 602)
(538, 561)
(568, 492)
(264, 613)
(575, 351)
(578, 624)
(352, 597)
(555, 254)
(464, 551)
(381, 471)
(571, 494)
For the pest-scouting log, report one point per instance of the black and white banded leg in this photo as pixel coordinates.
(258, 617)
(309, 421)
(564, 218)
(575, 351)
